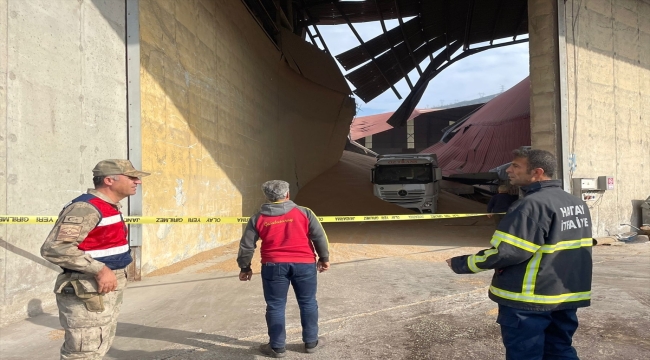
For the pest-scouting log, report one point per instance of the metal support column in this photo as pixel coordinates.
(134, 127)
(563, 148)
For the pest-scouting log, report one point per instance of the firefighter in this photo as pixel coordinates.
(541, 254)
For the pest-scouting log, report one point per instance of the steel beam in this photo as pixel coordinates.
(392, 49)
(365, 47)
(468, 24)
(322, 41)
(134, 129)
(496, 21)
(522, 16)
(402, 113)
(408, 46)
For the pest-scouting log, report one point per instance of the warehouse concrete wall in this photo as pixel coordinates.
(222, 112)
(544, 75)
(62, 109)
(608, 97)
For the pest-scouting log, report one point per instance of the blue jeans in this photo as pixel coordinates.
(275, 280)
(538, 335)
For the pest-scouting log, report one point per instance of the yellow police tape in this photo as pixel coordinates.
(135, 220)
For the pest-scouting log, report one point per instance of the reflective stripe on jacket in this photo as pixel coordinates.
(541, 252)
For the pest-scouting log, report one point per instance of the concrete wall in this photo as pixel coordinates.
(62, 109)
(222, 112)
(544, 75)
(608, 68)
(608, 97)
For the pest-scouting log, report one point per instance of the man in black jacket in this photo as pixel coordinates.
(541, 255)
(500, 203)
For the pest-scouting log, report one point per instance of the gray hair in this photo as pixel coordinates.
(275, 190)
(538, 159)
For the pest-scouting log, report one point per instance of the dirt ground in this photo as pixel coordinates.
(376, 307)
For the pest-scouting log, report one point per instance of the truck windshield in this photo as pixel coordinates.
(403, 174)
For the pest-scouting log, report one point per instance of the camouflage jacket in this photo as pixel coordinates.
(72, 227)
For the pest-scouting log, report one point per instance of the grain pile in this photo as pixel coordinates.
(345, 189)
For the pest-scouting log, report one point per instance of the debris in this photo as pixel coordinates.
(607, 240)
(639, 239)
(628, 236)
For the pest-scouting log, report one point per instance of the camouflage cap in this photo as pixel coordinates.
(117, 167)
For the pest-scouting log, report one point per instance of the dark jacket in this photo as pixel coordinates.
(541, 252)
(500, 203)
(290, 233)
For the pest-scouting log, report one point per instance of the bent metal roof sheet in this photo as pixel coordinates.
(487, 138)
(435, 25)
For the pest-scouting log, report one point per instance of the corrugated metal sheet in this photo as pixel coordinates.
(374, 124)
(436, 24)
(380, 63)
(487, 138)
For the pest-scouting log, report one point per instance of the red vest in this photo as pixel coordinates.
(285, 238)
(109, 236)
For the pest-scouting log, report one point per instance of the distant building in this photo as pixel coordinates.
(423, 129)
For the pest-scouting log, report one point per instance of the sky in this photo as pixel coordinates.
(482, 74)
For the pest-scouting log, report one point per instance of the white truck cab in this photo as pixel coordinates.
(408, 180)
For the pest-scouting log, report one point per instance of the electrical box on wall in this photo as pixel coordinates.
(589, 189)
(606, 183)
(588, 184)
(589, 196)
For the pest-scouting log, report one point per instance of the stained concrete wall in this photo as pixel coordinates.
(62, 109)
(222, 112)
(544, 75)
(608, 97)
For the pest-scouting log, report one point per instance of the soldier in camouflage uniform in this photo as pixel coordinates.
(89, 242)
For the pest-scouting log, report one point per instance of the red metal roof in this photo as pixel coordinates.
(487, 138)
(374, 124)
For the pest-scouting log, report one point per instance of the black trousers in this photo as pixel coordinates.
(538, 335)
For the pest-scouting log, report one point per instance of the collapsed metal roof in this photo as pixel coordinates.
(436, 25)
(438, 29)
(486, 139)
(434, 29)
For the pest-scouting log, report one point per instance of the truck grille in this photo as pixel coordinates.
(393, 196)
(412, 193)
(404, 203)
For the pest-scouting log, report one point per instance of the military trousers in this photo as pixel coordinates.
(88, 334)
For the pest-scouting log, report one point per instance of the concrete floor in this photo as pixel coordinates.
(394, 307)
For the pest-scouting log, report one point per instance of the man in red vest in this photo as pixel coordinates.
(89, 241)
(290, 234)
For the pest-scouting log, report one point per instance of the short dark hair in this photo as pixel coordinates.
(99, 180)
(538, 159)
